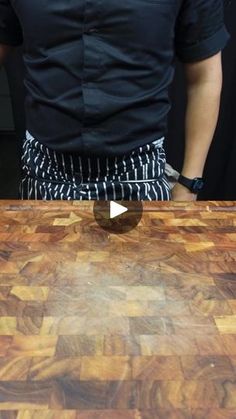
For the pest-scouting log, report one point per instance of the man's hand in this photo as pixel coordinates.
(180, 193)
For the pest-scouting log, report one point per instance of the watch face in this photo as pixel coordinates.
(198, 185)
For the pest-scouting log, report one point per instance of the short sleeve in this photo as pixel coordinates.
(200, 30)
(10, 28)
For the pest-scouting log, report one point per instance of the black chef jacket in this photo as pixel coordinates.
(98, 71)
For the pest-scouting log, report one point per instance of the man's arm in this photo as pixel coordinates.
(4, 51)
(204, 85)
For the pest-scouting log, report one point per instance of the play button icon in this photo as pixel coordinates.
(118, 217)
(116, 209)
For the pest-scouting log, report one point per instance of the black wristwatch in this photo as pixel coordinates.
(194, 185)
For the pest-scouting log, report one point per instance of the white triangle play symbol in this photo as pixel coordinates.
(116, 209)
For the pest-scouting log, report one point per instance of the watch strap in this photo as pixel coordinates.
(194, 185)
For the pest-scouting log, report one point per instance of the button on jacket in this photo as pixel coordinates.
(98, 71)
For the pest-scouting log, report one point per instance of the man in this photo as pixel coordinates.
(97, 79)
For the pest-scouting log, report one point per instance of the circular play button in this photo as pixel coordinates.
(118, 216)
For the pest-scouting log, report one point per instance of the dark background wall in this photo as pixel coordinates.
(220, 172)
(6, 120)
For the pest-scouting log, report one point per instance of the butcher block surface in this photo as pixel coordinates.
(96, 325)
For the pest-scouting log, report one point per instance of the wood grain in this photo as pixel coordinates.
(139, 325)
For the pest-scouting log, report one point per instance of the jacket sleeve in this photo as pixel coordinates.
(10, 28)
(200, 30)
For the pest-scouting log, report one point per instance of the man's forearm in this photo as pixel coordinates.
(200, 122)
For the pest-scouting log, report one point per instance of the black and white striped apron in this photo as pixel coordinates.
(49, 175)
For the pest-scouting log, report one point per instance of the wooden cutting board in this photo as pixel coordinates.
(139, 325)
